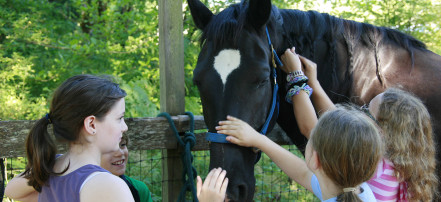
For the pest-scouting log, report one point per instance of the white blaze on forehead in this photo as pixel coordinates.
(226, 62)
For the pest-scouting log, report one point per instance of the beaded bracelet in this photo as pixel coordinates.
(298, 83)
(296, 80)
(295, 73)
(291, 75)
(296, 90)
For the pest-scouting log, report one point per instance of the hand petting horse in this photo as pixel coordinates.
(355, 61)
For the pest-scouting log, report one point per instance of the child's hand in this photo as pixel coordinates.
(309, 68)
(291, 61)
(239, 132)
(214, 187)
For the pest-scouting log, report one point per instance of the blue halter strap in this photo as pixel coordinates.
(221, 138)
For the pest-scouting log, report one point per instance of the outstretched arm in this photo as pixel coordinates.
(244, 135)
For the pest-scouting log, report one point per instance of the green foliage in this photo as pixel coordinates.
(419, 18)
(140, 103)
(274, 185)
(15, 99)
(44, 42)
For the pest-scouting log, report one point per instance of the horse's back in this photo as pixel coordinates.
(420, 75)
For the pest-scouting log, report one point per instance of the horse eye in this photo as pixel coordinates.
(262, 83)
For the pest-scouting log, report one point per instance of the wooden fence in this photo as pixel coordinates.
(145, 134)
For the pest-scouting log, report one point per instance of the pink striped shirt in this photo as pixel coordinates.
(385, 185)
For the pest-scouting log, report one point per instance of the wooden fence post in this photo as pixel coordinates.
(2, 176)
(172, 87)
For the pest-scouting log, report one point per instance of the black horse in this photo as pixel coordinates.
(356, 61)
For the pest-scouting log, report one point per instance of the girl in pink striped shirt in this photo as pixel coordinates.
(408, 171)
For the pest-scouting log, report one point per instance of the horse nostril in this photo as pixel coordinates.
(243, 192)
(238, 193)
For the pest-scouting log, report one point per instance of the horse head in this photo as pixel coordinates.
(355, 62)
(233, 75)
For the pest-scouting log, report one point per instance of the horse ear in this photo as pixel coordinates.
(201, 14)
(258, 12)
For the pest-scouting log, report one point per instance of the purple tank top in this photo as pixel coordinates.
(66, 188)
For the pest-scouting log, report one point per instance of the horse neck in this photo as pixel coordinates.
(314, 39)
(341, 47)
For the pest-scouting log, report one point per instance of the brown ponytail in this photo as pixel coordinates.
(348, 146)
(40, 151)
(77, 98)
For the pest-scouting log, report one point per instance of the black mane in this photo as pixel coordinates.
(312, 25)
(303, 29)
(225, 26)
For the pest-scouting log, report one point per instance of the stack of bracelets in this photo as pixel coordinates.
(297, 81)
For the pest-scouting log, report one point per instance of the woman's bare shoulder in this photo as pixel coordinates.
(105, 187)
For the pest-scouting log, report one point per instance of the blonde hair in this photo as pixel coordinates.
(348, 146)
(407, 130)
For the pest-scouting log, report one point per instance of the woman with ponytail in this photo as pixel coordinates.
(86, 113)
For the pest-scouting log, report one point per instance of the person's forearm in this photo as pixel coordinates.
(289, 163)
(18, 188)
(320, 99)
(304, 112)
(32, 197)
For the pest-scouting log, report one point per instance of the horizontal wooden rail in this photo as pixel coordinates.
(145, 134)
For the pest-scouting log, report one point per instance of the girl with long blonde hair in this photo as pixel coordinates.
(407, 171)
(410, 151)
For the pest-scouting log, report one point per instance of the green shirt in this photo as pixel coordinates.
(143, 190)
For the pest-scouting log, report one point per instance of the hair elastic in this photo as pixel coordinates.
(48, 118)
(349, 189)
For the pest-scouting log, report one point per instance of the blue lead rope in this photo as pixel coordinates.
(272, 49)
(221, 138)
